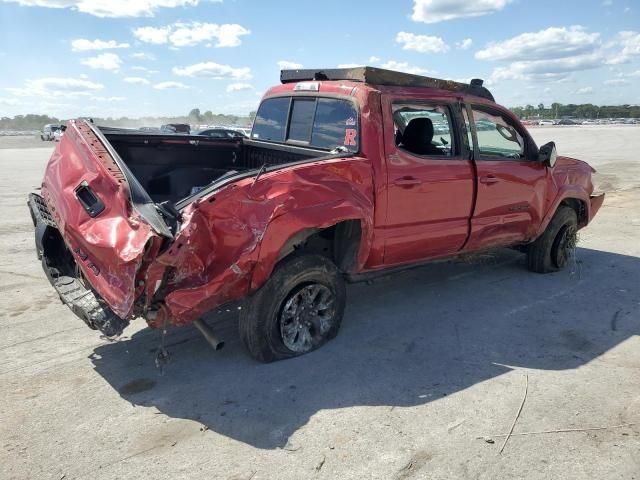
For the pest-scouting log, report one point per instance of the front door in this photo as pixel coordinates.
(511, 182)
(429, 181)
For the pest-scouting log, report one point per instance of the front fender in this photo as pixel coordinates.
(565, 193)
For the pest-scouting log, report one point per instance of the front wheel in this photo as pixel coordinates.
(298, 310)
(555, 247)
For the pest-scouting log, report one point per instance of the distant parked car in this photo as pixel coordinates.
(176, 128)
(566, 121)
(546, 122)
(57, 135)
(221, 133)
(48, 132)
(246, 131)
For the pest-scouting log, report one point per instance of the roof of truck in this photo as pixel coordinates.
(382, 77)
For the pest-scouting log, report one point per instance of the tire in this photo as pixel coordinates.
(551, 250)
(281, 320)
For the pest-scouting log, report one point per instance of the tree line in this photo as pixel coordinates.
(585, 110)
(194, 117)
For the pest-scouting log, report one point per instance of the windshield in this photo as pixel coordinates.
(324, 123)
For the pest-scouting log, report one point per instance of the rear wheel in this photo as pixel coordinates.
(298, 310)
(553, 250)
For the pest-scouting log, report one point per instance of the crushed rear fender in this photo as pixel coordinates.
(229, 241)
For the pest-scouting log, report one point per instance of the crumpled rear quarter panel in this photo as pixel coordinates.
(230, 235)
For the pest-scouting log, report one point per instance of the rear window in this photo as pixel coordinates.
(324, 123)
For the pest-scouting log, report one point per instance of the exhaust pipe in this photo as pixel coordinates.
(207, 333)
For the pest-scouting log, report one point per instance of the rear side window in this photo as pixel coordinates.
(324, 123)
(335, 125)
(271, 120)
(424, 129)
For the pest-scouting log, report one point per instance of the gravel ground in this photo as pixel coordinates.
(426, 362)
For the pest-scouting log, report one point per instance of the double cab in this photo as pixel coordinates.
(347, 173)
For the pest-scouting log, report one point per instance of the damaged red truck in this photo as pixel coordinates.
(347, 173)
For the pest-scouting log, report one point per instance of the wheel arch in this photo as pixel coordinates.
(571, 196)
(579, 206)
(345, 241)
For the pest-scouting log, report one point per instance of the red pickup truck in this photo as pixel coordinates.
(347, 173)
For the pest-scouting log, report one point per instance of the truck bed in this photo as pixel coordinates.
(172, 168)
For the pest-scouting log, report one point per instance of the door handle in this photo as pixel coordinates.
(489, 179)
(407, 181)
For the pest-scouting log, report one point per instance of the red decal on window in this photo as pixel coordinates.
(350, 136)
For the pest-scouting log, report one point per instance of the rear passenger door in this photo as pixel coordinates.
(511, 181)
(430, 180)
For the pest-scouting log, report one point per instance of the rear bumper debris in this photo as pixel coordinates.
(59, 267)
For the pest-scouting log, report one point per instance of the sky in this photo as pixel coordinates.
(134, 58)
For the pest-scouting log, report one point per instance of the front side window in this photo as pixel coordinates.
(325, 123)
(424, 129)
(497, 137)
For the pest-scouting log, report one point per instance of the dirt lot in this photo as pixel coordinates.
(426, 362)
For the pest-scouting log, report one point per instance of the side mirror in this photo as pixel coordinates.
(547, 154)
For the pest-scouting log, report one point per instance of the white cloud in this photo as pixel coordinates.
(108, 99)
(546, 70)
(83, 45)
(156, 35)
(143, 56)
(546, 44)
(238, 87)
(144, 69)
(374, 59)
(617, 81)
(136, 80)
(213, 70)
(194, 33)
(584, 90)
(104, 61)
(8, 101)
(464, 44)
(548, 55)
(349, 65)
(405, 67)
(167, 85)
(287, 65)
(111, 8)
(630, 43)
(434, 11)
(421, 43)
(56, 87)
